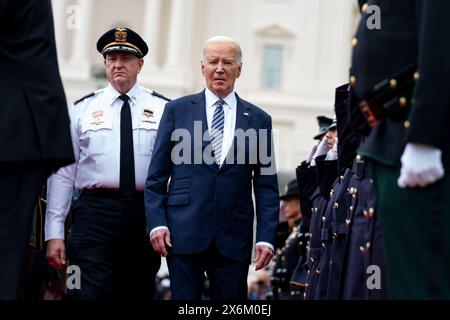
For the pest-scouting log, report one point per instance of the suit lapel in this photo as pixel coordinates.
(198, 108)
(243, 115)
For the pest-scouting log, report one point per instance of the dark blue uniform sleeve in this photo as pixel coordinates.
(430, 114)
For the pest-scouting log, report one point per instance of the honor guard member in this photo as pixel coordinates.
(287, 257)
(113, 132)
(400, 71)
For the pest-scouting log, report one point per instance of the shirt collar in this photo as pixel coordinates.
(112, 94)
(211, 99)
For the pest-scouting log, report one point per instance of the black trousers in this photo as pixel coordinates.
(20, 185)
(227, 277)
(109, 245)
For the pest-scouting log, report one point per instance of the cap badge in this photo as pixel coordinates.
(121, 35)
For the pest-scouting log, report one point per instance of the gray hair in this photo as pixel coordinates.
(223, 39)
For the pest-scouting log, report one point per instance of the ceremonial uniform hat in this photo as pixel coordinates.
(324, 124)
(122, 39)
(290, 190)
(333, 124)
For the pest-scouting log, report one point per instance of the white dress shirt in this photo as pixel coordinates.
(95, 130)
(229, 120)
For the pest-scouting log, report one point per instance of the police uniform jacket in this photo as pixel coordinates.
(412, 33)
(95, 129)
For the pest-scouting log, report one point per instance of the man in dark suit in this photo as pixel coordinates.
(34, 127)
(204, 220)
(408, 146)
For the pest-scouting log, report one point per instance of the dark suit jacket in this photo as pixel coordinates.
(412, 32)
(34, 122)
(205, 202)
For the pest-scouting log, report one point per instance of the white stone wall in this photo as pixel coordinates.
(315, 36)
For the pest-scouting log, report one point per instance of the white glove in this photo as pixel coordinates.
(320, 151)
(333, 153)
(312, 152)
(421, 166)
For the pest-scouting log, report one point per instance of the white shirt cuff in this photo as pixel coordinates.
(262, 243)
(156, 229)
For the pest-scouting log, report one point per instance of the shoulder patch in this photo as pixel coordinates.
(85, 97)
(156, 94)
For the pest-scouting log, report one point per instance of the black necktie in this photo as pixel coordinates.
(127, 179)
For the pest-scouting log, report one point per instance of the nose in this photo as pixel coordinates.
(219, 68)
(118, 63)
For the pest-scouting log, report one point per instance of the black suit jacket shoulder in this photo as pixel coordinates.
(34, 121)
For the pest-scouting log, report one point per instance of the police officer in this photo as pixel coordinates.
(287, 257)
(399, 74)
(113, 131)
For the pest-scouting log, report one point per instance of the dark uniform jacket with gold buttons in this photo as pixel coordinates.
(412, 32)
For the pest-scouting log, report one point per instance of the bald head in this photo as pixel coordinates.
(223, 39)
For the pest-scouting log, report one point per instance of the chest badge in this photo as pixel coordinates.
(148, 116)
(97, 117)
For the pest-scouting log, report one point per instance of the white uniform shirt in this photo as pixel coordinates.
(95, 130)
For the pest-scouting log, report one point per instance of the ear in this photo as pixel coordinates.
(238, 74)
(203, 69)
(140, 64)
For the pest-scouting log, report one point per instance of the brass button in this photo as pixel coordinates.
(358, 157)
(336, 205)
(354, 42)
(402, 101)
(368, 245)
(416, 75)
(342, 178)
(406, 124)
(351, 208)
(348, 221)
(364, 7)
(371, 212)
(366, 214)
(352, 80)
(393, 83)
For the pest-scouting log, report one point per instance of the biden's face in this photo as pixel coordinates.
(122, 69)
(221, 67)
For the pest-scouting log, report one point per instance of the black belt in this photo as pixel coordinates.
(115, 194)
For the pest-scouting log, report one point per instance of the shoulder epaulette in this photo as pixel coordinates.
(156, 94)
(85, 97)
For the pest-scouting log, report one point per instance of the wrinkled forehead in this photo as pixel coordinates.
(221, 49)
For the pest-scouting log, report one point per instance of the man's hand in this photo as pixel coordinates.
(421, 166)
(159, 239)
(263, 254)
(56, 253)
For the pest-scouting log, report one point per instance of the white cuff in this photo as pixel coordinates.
(266, 244)
(156, 229)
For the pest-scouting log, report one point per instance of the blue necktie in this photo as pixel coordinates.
(217, 130)
(127, 179)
